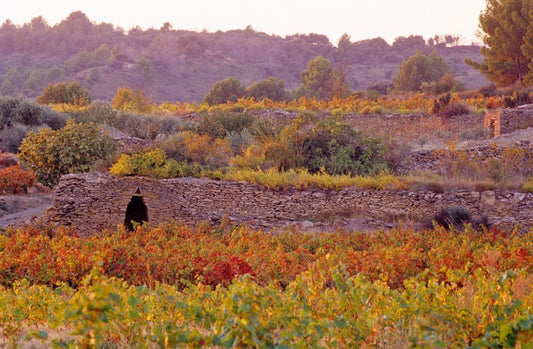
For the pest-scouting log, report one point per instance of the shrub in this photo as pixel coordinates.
(381, 87)
(152, 163)
(240, 141)
(129, 100)
(206, 151)
(528, 186)
(19, 115)
(74, 148)
(445, 84)
(227, 90)
(270, 88)
(12, 137)
(28, 113)
(253, 157)
(511, 169)
(14, 180)
(71, 93)
(202, 149)
(147, 126)
(451, 217)
(330, 145)
(218, 124)
(98, 112)
(143, 163)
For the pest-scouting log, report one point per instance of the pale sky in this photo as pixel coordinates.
(361, 19)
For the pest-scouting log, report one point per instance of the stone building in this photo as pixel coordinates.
(502, 121)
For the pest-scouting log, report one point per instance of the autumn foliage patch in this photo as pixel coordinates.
(225, 286)
(14, 180)
(215, 255)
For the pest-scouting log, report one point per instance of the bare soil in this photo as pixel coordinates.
(17, 210)
(504, 140)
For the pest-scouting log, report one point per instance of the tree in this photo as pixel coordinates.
(505, 25)
(227, 90)
(72, 149)
(527, 47)
(146, 68)
(418, 69)
(71, 93)
(412, 42)
(322, 81)
(132, 101)
(270, 88)
(344, 42)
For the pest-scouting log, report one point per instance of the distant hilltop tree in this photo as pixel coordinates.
(412, 42)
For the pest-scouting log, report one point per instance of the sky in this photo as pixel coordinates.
(361, 19)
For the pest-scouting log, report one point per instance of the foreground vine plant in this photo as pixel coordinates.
(226, 286)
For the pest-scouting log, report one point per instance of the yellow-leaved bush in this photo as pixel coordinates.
(152, 163)
(74, 148)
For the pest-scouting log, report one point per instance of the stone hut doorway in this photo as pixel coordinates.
(136, 211)
(492, 128)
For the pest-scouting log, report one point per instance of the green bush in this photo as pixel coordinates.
(152, 163)
(147, 126)
(329, 145)
(98, 112)
(19, 115)
(219, 123)
(270, 88)
(71, 93)
(227, 90)
(12, 137)
(72, 149)
(28, 113)
(455, 217)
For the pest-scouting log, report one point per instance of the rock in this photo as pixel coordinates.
(518, 197)
(307, 224)
(488, 198)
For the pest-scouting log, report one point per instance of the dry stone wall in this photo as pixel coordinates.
(94, 202)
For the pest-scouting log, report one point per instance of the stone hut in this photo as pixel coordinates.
(502, 121)
(94, 202)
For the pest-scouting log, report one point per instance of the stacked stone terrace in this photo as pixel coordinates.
(94, 202)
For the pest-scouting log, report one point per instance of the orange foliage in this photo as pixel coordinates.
(14, 180)
(180, 254)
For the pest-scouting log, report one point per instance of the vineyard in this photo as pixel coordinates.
(228, 286)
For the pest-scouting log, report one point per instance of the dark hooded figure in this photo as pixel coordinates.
(135, 212)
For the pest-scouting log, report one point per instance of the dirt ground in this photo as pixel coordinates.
(18, 210)
(505, 140)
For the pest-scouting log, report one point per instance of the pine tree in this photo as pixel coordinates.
(505, 25)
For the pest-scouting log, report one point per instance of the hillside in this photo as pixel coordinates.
(179, 65)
